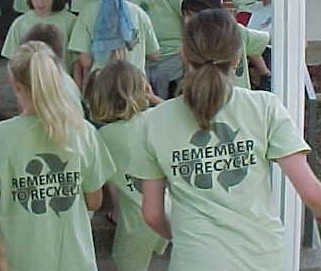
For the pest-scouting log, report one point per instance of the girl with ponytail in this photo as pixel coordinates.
(213, 147)
(54, 167)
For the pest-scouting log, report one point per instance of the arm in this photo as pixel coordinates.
(93, 200)
(151, 96)
(153, 207)
(305, 182)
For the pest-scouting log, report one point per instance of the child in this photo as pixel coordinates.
(96, 34)
(52, 36)
(54, 165)
(253, 43)
(218, 169)
(117, 101)
(47, 12)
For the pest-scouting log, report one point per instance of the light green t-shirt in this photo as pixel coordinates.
(64, 20)
(167, 21)
(73, 93)
(82, 35)
(223, 215)
(20, 6)
(254, 43)
(43, 214)
(134, 241)
(243, 5)
(77, 5)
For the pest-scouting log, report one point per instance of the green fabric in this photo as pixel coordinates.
(64, 20)
(73, 93)
(223, 215)
(167, 21)
(77, 5)
(244, 5)
(134, 241)
(82, 35)
(43, 214)
(20, 6)
(254, 43)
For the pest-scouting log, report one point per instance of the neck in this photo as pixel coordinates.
(42, 13)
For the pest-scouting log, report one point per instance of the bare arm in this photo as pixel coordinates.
(305, 182)
(153, 207)
(93, 200)
(153, 56)
(151, 96)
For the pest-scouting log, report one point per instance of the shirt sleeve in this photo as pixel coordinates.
(144, 163)
(80, 39)
(12, 40)
(152, 45)
(99, 166)
(284, 138)
(255, 41)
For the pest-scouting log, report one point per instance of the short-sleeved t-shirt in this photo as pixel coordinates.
(43, 214)
(134, 241)
(78, 5)
(73, 92)
(20, 6)
(63, 20)
(254, 43)
(82, 35)
(167, 21)
(223, 216)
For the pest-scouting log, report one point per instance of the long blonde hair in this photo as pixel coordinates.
(116, 92)
(38, 69)
(211, 43)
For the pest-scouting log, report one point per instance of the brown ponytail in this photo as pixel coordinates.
(210, 45)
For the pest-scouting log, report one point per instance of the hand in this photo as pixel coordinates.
(151, 96)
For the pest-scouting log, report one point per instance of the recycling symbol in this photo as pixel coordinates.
(58, 203)
(226, 178)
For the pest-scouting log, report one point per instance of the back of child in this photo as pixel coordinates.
(54, 13)
(55, 165)
(117, 100)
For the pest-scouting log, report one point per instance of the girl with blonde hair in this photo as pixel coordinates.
(54, 167)
(118, 99)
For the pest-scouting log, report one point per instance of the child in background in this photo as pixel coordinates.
(254, 43)
(218, 168)
(52, 36)
(106, 25)
(54, 166)
(46, 12)
(117, 102)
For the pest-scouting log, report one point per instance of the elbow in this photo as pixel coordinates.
(153, 220)
(153, 57)
(94, 200)
(93, 206)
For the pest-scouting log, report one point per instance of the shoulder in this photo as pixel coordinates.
(259, 98)
(166, 110)
(137, 11)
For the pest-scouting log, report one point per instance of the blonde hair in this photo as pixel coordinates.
(38, 69)
(118, 91)
(211, 42)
